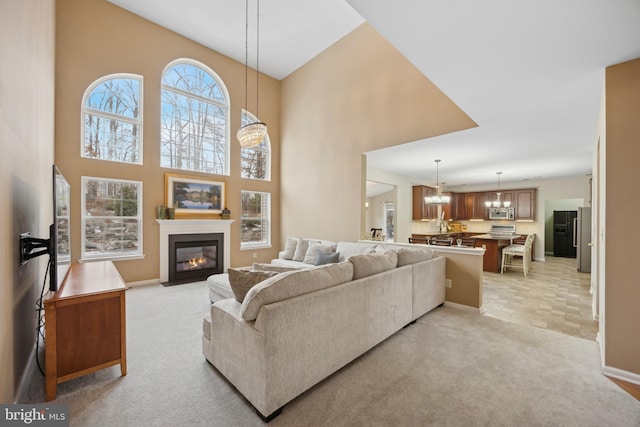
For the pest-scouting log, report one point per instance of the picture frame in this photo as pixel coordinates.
(194, 197)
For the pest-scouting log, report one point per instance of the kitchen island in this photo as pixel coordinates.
(493, 254)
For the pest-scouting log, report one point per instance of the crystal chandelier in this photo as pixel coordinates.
(251, 134)
(439, 198)
(498, 203)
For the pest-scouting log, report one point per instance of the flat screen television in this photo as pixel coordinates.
(58, 245)
(60, 232)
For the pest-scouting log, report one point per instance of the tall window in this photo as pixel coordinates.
(255, 219)
(112, 119)
(111, 218)
(194, 119)
(255, 161)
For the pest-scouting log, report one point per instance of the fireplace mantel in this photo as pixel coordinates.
(189, 226)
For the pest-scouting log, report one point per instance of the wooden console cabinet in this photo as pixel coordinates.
(85, 324)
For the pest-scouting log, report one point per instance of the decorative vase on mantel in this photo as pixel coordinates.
(161, 211)
(226, 213)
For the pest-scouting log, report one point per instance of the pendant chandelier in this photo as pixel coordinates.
(498, 203)
(251, 134)
(439, 198)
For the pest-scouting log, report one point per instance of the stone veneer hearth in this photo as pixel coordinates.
(189, 226)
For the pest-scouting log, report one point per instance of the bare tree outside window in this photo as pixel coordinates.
(194, 115)
(111, 218)
(255, 215)
(255, 161)
(112, 120)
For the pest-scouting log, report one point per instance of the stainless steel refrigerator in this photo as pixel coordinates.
(583, 239)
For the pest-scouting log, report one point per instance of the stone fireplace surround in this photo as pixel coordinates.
(191, 226)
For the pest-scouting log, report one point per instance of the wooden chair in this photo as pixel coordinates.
(518, 252)
(468, 241)
(419, 240)
(447, 241)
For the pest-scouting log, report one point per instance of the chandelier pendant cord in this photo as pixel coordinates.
(257, 58)
(246, 54)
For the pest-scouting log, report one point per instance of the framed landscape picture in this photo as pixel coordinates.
(194, 197)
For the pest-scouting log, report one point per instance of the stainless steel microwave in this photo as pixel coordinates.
(502, 213)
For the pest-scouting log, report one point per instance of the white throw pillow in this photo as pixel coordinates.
(314, 248)
(301, 249)
(289, 248)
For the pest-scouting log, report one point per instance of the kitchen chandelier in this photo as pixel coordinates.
(439, 198)
(498, 203)
(251, 134)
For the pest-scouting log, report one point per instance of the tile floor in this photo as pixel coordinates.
(554, 296)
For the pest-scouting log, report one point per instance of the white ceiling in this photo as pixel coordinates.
(530, 74)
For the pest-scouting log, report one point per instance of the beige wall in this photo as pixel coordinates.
(359, 95)
(622, 199)
(95, 38)
(26, 155)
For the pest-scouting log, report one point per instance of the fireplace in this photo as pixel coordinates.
(171, 227)
(194, 257)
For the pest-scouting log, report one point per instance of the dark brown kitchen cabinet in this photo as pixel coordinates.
(475, 205)
(458, 208)
(525, 204)
(421, 210)
(481, 206)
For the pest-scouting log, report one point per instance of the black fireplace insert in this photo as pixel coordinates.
(194, 257)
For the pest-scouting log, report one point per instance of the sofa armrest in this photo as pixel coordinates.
(237, 350)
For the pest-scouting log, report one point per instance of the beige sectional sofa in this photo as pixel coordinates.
(296, 328)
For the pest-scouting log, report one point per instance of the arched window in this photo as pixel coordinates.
(255, 162)
(112, 119)
(194, 122)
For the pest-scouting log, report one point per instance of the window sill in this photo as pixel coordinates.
(257, 246)
(113, 258)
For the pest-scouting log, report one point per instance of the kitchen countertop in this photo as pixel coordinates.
(492, 237)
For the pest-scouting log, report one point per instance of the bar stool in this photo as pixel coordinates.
(509, 253)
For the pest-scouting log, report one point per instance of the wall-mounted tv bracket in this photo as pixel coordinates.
(29, 244)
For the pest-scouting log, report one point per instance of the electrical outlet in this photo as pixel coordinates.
(448, 283)
(255, 255)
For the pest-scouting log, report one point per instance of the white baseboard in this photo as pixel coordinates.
(627, 376)
(464, 307)
(143, 283)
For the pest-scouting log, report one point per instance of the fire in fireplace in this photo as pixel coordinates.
(194, 257)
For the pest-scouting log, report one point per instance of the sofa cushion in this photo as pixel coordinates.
(259, 266)
(314, 249)
(289, 248)
(297, 265)
(349, 249)
(293, 283)
(219, 287)
(408, 256)
(243, 280)
(370, 264)
(327, 258)
(301, 249)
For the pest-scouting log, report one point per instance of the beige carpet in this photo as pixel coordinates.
(451, 368)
